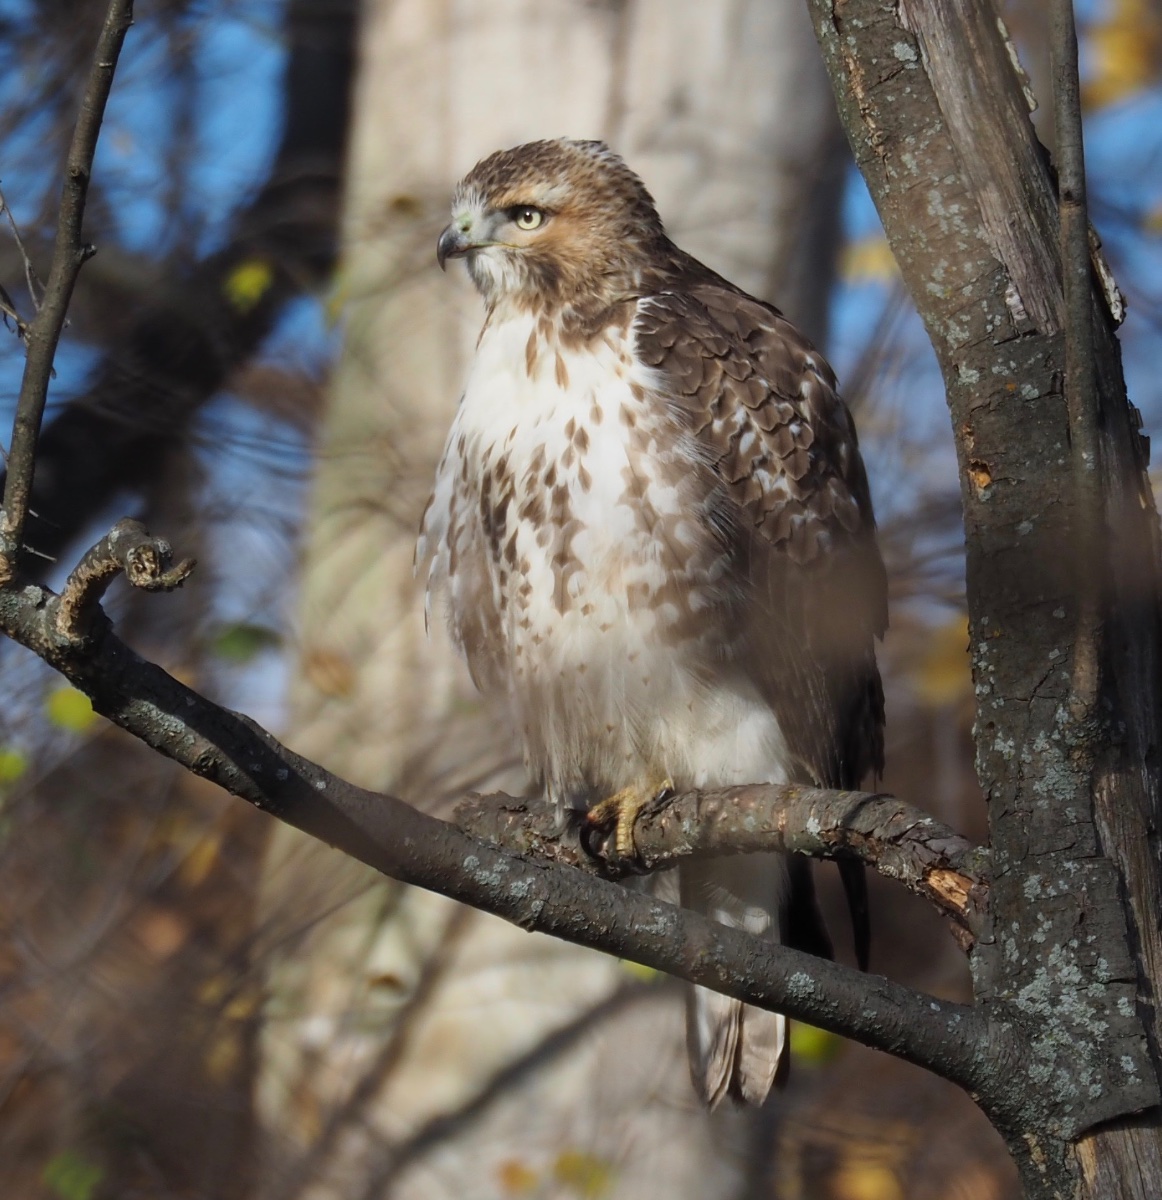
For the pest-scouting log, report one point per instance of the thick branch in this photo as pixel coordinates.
(896, 839)
(389, 835)
(69, 253)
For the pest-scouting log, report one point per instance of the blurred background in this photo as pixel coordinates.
(262, 361)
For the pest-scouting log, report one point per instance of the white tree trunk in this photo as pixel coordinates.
(723, 109)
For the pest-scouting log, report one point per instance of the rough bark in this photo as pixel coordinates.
(901, 842)
(939, 124)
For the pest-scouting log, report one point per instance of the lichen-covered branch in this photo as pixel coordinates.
(897, 840)
(412, 847)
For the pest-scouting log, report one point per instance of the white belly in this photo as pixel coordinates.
(567, 520)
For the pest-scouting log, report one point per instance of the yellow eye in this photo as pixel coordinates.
(526, 217)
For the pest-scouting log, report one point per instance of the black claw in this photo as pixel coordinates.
(632, 866)
(592, 837)
(597, 845)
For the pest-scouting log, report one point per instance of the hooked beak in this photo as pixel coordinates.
(452, 244)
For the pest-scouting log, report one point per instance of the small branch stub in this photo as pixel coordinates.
(127, 549)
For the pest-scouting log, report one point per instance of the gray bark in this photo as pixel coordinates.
(939, 124)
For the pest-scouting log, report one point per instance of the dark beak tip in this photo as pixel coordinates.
(448, 246)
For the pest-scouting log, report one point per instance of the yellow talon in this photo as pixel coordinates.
(623, 808)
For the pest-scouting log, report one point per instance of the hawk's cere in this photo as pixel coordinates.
(653, 529)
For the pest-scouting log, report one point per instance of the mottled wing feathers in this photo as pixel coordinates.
(763, 408)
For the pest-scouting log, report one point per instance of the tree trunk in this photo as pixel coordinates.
(1068, 706)
(424, 1037)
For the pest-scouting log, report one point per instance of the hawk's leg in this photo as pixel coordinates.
(622, 808)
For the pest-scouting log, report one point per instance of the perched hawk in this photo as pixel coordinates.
(652, 527)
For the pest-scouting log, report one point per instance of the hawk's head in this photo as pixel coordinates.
(550, 223)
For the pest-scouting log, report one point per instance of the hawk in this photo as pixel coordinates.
(652, 528)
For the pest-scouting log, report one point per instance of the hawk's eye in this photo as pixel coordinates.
(524, 216)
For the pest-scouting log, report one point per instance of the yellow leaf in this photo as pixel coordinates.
(1126, 52)
(870, 260)
(862, 1180)
(200, 861)
(13, 764)
(214, 990)
(243, 1006)
(70, 709)
(583, 1173)
(944, 674)
(812, 1045)
(516, 1178)
(250, 280)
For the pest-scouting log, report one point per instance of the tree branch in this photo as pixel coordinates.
(30, 279)
(899, 841)
(938, 121)
(127, 549)
(69, 253)
(412, 847)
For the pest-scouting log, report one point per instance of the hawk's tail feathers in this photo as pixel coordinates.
(735, 1049)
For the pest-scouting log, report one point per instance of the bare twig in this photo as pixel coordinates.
(31, 279)
(1080, 361)
(69, 253)
(899, 841)
(128, 549)
(10, 311)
